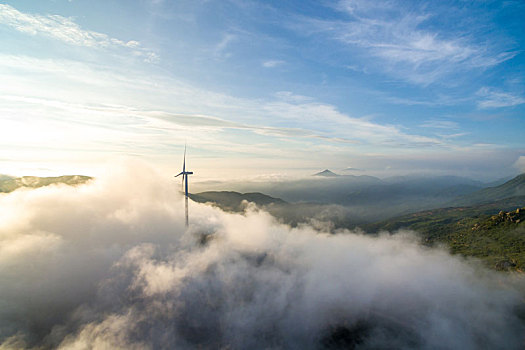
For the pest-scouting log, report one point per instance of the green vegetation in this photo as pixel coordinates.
(9, 184)
(497, 239)
(493, 232)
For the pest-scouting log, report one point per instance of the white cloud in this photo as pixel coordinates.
(440, 124)
(273, 63)
(453, 136)
(327, 118)
(220, 50)
(520, 164)
(399, 42)
(110, 265)
(147, 103)
(67, 31)
(492, 98)
(439, 100)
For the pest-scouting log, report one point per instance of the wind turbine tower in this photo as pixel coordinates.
(185, 174)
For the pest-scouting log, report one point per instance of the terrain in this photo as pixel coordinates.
(512, 188)
(495, 237)
(362, 199)
(234, 201)
(490, 228)
(482, 222)
(9, 183)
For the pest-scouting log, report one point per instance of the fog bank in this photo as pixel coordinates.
(110, 265)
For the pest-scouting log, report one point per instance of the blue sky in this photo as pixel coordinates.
(269, 88)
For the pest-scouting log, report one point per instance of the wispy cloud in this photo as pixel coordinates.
(453, 136)
(67, 31)
(176, 108)
(435, 101)
(220, 50)
(491, 98)
(273, 63)
(205, 121)
(440, 124)
(402, 43)
(351, 169)
(325, 117)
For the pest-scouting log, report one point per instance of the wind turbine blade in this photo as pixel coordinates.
(184, 162)
(181, 173)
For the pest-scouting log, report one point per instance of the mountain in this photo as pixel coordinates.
(289, 213)
(493, 232)
(233, 201)
(326, 173)
(511, 188)
(9, 184)
(362, 198)
(318, 189)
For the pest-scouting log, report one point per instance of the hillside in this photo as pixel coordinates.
(9, 184)
(495, 236)
(361, 198)
(233, 201)
(493, 232)
(511, 188)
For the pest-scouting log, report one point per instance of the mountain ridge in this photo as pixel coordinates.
(512, 188)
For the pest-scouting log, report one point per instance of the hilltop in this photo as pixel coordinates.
(326, 173)
(9, 183)
(233, 201)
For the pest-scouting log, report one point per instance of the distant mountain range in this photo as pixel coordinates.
(9, 183)
(371, 199)
(365, 199)
(327, 187)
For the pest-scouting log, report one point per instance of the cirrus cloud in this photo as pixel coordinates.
(64, 29)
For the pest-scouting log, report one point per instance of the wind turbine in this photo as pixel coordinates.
(185, 174)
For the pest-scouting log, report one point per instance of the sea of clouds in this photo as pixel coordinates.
(110, 265)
